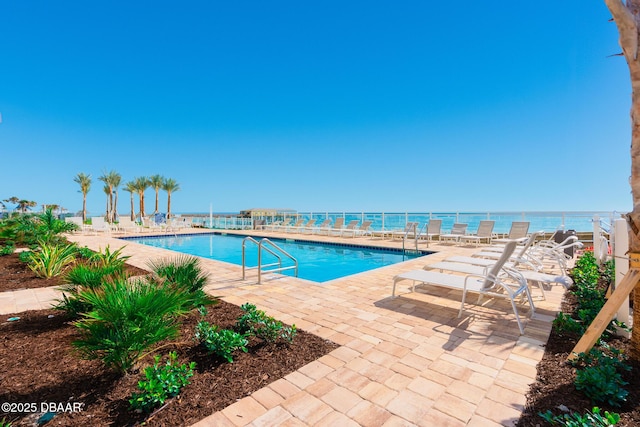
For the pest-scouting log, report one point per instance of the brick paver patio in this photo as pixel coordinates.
(403, 361)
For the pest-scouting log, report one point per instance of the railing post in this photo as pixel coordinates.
(597, 243)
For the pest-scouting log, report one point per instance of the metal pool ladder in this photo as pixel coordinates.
(267, 245)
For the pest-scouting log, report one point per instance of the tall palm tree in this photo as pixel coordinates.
(107, 191)
(85, 185)
(115, 181)
(626, 15)
(130, 187)
(170, 185)
(111, 179)
(141, 184)
(156, 182)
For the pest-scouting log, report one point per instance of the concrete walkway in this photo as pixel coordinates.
(402, 361)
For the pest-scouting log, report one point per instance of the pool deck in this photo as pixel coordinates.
(404, 361)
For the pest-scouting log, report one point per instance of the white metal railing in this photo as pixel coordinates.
(388, 221)
(275, 250)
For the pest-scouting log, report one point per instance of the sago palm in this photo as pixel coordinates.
(127, 319)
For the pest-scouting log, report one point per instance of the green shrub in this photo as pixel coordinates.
(82, 277)
(84, 252)
(126, 320)
(50, 260)
(220, 342)
(25, 256)
(257, 323)
(590, 419)
(183, 272)
(7, 249)
(163, 382)
(598, 376)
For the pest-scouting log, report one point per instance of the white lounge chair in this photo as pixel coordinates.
(499, 281)
(308, 227)
(77, 220)
(486, 257)
(485, 232)
(434, 229)
(410, 230)
(337, 227)
(533, 277)
(126, 224)
(325, 226)
(350, 227)
(296, 225)
(362, 230)
(458, 229)
(518, 231)
(98, 224)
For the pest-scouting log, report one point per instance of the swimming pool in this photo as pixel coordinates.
(318, 262)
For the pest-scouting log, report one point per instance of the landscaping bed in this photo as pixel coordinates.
(38, 364)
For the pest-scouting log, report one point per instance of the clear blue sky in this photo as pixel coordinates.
(332, 105)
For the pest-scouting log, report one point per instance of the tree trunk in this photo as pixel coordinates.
(627, 19)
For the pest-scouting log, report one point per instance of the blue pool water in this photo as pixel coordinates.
(318, 262)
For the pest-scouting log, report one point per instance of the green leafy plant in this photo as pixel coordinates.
(162, 382)
(589, 289)
(220, 342)
(592, 418)
(7, 249)
(107, 258)
(85, 253)
(5, 423)
(50, 260)
(24, 256)
(598, 376)
(183, 272)
(82, 277)
(126, 320)
(257, 323)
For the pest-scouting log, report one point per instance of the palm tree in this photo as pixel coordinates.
(141, 184)
(111, 180)
(156, 182)
(14, 200)
(85, 185)
(170, 185)
(107, 191)
(25, 205)
(627, 18)
(130, 187)
(115, 181)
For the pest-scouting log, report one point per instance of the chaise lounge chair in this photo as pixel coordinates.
(498, 281)
(410, 229)
(434, 229)
(362, 230)
(325, 226)
(485, 232)
(518, 231)
(456, 232)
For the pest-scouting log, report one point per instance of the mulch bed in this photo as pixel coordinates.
(38, 365)
(15, 275)
(555, 377)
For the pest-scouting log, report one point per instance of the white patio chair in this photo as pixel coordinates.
(518, 231)
(458, 229)
(499, 281)
(485, 232)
